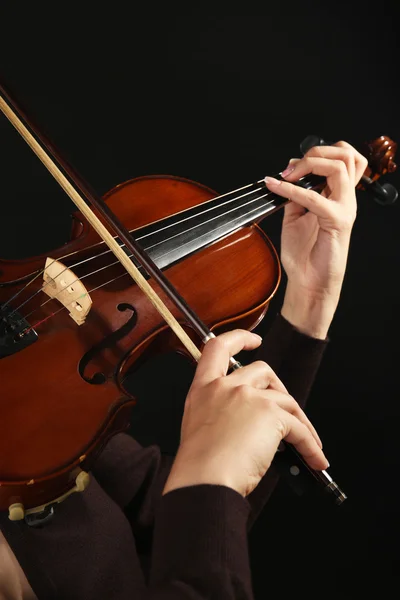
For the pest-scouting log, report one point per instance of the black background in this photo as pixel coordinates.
(225, 100)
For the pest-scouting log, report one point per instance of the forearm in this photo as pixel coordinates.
(309, 314)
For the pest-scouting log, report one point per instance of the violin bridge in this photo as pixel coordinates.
(63, 285)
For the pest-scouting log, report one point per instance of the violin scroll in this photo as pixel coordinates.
(380, 154)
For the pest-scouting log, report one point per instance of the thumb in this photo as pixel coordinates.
(292, 212)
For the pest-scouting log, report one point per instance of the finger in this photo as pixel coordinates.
(258, 375)
(289, 404)
(312, 201)
(214, 361)
(356, 163)
(334, 170)
(293, 162)
(293, 211)
(361, 163)
(333, 152)
(296, 433)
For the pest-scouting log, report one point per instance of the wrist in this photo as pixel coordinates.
(310, 313)
(186, 472)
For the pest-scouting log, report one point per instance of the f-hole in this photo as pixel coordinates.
(109, 341)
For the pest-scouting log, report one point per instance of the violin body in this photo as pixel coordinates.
(63, 395)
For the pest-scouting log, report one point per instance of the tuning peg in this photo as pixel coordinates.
(385, 194)
(310, 141)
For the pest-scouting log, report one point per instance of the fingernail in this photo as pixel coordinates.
(272, 181)
(287, 171)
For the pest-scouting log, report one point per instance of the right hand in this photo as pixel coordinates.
(233, 424)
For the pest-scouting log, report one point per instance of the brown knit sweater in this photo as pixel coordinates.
(121, 539)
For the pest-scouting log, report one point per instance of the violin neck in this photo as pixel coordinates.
(177, 236)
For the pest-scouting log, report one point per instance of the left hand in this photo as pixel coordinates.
(316, 233)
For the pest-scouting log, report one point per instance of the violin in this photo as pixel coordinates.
(73, 322)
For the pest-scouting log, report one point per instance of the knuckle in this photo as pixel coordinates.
(315, 151)
(217, 386)
(339, 166)
(304, 431)
(263, 367)
(224, 340)
(307, 433)
(345, 145)
(363, 160)
(309, 161)
(348, 155)
(347, 150)
(293, 403)
(281, 427)
(311, 195)
(240, 331)
(244, 392)
(352, 153)
(269, 404)
(217, 343)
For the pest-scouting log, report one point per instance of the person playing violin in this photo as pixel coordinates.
(157, 526)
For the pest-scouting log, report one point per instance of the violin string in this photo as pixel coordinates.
(199, 237)
(207, 221)
(65, 306)
(218, 205)
(111, 265)
(40, 272)
(115, 263)
(202, 212)
(131, 255)
(43, 287)
(70, 284)
(215, 199)
(102, 284)
(147, 249)
(36, 325)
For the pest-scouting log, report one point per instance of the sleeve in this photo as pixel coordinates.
(134, 477)
(200, 547)
(295, 358)
(195, 537)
